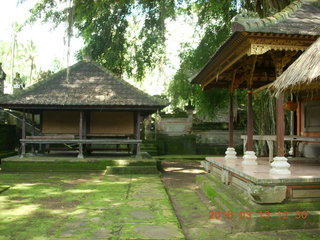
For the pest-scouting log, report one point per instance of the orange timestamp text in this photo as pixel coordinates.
(217, 214)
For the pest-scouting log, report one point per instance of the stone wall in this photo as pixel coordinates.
(174, 126)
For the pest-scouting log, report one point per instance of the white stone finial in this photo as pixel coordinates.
(249, 158)
(280, 166)
(231, 154)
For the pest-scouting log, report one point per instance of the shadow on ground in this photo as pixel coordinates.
(85, 206)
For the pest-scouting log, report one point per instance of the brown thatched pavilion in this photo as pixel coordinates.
(302, 80)
(259, 51)
(302, 75)
(90, 107)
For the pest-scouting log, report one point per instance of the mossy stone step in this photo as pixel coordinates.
(131, 162)
(57, 166)
(131, 170)
(149, 147)
(63, 164)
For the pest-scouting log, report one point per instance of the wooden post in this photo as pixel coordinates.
(84, 134)
(231, 154)
(81, 128)
(249, 157)
(231, 131)
(137, 131)
(23, 135)
(41, 124)
(32, 130)
(249, 122)
(280, 163)
(280, 126)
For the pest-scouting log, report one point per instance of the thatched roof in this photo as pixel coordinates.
(303, 74)
(90, 86)
(293, 29)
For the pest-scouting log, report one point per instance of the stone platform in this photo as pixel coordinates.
(254, 200)
(303, 184)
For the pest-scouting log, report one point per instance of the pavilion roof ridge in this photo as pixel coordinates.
(89, 85)
(254, 24)
(119, 79)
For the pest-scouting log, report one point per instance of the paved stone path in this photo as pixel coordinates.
(192, 208)
(86, 206)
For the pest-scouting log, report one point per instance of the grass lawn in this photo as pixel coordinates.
(85, 206)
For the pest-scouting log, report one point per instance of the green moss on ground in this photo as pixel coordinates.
(228, 198)
(85, 206)
(63, 164)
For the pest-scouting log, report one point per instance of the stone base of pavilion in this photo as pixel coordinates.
(254, 200)
(108, 163)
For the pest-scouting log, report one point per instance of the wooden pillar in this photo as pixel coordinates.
(32, 130)
(280, 126)
(84, 134)
(249, 122)
(280, 163)
(81, 128)
(33, 125)
(137, 130)
(41, 124)
(249, 157)
(231, 130)
(23, 135)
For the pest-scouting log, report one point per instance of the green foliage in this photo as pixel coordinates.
(8, 137)
(113, 31)
(215, 18)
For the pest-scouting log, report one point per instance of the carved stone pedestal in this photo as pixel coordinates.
(231, 154)
(249, 158)
(280, 166)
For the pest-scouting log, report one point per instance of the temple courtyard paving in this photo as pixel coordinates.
(85, 206)
(41, 206)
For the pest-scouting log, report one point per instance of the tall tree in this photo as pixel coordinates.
(104, 26)
(214, 20)
(29, 53)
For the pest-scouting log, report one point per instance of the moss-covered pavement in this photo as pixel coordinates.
(85, 206)
(193, 209)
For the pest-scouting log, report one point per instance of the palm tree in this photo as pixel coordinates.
(30, 53)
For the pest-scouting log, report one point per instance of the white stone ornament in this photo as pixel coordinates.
(280, 166)
(249, 159)
(231, 154)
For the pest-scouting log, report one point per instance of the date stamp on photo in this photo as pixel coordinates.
(217, 214)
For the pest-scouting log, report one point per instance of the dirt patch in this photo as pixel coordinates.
(141, 214)
(181, 174)
(74, 182)
(58, 203)
(158, 232)
(16, 198)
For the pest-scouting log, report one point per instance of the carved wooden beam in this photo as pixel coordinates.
(281, 59)
(234, 84)
(248, 70)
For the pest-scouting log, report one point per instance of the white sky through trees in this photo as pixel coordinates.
(51, 43)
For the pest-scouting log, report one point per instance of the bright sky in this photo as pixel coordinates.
(50, 43)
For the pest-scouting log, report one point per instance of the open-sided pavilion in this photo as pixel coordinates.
(257, 53)
(83, 105)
